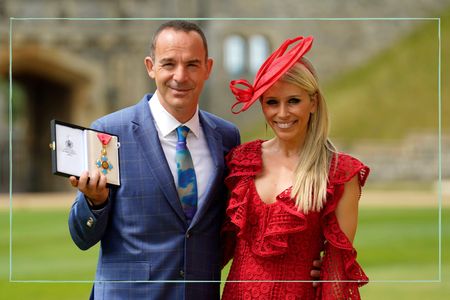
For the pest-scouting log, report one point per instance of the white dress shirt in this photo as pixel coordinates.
(166, 126)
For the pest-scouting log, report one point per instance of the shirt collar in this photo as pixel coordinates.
(167, 123)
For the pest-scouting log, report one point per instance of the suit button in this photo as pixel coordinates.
(188, 234)
(90, 222)
(182, 273)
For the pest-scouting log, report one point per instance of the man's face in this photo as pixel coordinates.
(180, 69)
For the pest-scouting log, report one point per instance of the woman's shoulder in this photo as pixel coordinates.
(249, 147)
(250, 150)
(245, 159)
(344, 167)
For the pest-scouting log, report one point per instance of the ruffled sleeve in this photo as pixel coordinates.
(243, 162)
(339, 261)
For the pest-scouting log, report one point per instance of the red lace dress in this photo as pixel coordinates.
(275, 242)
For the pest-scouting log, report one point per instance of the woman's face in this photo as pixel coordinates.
(287, 109)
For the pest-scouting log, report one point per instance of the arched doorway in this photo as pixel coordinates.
(50, 85)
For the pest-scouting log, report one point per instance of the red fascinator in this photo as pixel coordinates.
(278, 63)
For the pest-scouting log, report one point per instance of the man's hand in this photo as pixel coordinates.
(315, 271)
(93, 187)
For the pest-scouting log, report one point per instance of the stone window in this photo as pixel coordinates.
(244, 55)
(258, 52)
(234, 55)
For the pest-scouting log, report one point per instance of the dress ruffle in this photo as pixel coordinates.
(339, 266)
(283, 219)
(338, 245)
(242, 162)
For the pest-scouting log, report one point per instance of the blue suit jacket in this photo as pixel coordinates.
(143, 231)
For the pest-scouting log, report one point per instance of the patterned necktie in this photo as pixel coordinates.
(187, 182)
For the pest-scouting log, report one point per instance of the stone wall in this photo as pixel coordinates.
(99, 63)
(416, 158)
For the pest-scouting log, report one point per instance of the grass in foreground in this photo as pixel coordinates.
(394, 244)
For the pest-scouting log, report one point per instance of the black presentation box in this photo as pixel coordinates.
(76, 149)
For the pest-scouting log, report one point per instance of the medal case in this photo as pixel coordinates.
(76, 149)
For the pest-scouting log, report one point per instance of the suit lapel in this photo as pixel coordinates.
(214, 140)
(147, 138)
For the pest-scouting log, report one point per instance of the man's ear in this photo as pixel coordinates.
(209, 65)
(148, 61)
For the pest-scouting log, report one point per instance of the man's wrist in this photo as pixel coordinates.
(96, 206)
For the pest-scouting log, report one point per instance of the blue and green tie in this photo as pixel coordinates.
(187, 182)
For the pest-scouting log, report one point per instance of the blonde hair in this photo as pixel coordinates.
(311, 175)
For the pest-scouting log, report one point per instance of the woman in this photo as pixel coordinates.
(293, 196)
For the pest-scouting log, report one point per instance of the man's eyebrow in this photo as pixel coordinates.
(169, 60)
(194, 61)
(165, 60)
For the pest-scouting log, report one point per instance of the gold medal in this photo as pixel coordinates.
(102, 163)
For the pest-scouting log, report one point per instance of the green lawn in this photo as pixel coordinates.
(402, 244)
(43, 251)
(394, 244)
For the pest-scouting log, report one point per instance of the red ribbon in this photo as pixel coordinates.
(104, 138)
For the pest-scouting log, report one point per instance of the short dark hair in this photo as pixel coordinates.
(178, 25)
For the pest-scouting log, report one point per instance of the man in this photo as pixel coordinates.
(145, 233)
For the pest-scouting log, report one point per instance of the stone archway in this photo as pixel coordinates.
(55, 85)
